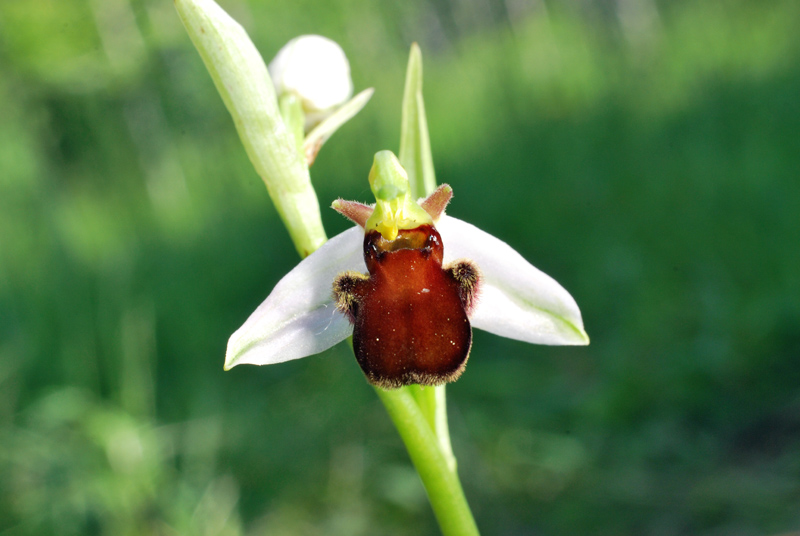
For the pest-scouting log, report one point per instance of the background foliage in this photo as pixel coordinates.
(644, 154)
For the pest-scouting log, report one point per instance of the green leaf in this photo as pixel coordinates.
(320, 134)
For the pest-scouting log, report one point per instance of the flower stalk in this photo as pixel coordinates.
(439, 478)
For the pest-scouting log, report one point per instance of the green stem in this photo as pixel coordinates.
(440, 426)
(438, 476)
(293, 117)
(426, 400)
(432, 402)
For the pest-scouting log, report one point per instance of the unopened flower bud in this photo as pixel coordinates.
(316, 70)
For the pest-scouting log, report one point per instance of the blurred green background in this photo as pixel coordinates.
(645, 154)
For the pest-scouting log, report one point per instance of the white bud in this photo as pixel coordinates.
(316, 70)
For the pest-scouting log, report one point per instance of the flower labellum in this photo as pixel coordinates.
(410, 314)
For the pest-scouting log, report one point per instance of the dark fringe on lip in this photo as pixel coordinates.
(417, 377)
(345, 295)
(468, 277)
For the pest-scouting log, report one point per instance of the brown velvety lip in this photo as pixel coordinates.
(409, 315)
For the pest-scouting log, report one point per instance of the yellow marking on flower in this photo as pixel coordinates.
(395, 209)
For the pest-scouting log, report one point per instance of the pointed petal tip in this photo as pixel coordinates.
(234, 352)
(299, 317)
(234, 360)
(231, 359)
(247, 348)
(354, 211)
(516, 299)
(436, 203)
(586, 339)
(579, 338)
(571, 332)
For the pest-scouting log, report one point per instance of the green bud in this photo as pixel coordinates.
(395, 207)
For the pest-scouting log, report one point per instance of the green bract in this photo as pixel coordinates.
(242, 79)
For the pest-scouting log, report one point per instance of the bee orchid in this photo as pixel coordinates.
(409, 283)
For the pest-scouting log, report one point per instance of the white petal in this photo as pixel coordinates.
(299, 317)
(315, 69)
(516, 300)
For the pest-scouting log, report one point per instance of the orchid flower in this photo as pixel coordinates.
(300, 317)
(408, 281)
